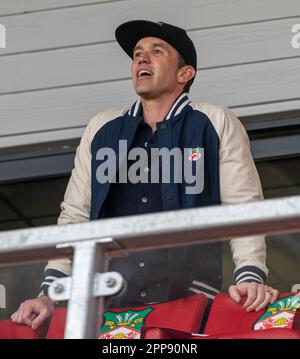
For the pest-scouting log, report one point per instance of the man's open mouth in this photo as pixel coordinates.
(144, 73)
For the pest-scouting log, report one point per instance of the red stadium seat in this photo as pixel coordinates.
(226, 316)
(183, 314)
(10, 330)
(229, 320)
(181, 319)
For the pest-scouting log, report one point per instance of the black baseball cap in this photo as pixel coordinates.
(129, 33)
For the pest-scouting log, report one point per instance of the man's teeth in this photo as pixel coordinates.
(144, 72)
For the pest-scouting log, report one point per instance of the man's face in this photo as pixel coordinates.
(154, 68)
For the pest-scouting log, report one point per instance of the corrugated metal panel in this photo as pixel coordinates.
(11, 7)
(62, 65)
(95, 24)
(104, 62)
(237, 86)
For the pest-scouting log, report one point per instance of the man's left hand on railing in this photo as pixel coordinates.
(257, 296)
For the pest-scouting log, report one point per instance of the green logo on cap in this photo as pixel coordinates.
(161, 23)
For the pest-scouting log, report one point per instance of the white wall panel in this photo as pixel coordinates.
(62, 65)
(9, 7)
(94, 24)
(241, 87)
(105, 62)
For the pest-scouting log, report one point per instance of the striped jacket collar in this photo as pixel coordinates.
(181, 102)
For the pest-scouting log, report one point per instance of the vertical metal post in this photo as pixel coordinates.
(2, 297)
(82, 320)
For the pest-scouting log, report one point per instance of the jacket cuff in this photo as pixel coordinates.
(50, 276)
(249, 274)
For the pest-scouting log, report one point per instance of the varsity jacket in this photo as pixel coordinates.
(230, 177)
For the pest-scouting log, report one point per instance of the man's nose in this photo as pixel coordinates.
(144, 59)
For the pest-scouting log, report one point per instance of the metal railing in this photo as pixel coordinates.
(92, 243)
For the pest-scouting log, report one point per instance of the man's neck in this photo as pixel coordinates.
(155, 110)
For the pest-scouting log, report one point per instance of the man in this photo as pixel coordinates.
(164, 64)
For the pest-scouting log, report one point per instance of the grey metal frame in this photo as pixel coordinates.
(93, 242)
(37, 164)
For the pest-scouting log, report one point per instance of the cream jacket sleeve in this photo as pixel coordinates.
(75, 207)
(239, 182)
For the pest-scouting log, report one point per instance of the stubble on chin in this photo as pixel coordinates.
(147, 94)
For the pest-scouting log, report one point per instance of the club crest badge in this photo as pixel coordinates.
(123, 325)
(280, 314)
(194, 154)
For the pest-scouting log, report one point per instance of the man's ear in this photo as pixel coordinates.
(185, 74)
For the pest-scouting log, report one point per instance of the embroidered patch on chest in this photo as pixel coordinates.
(194, 154)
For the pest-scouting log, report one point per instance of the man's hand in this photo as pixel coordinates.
(34, 312)
(258, 296)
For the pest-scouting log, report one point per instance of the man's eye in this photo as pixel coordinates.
(137, 54)
(156, 51)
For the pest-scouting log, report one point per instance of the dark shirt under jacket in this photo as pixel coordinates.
(147, 277)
